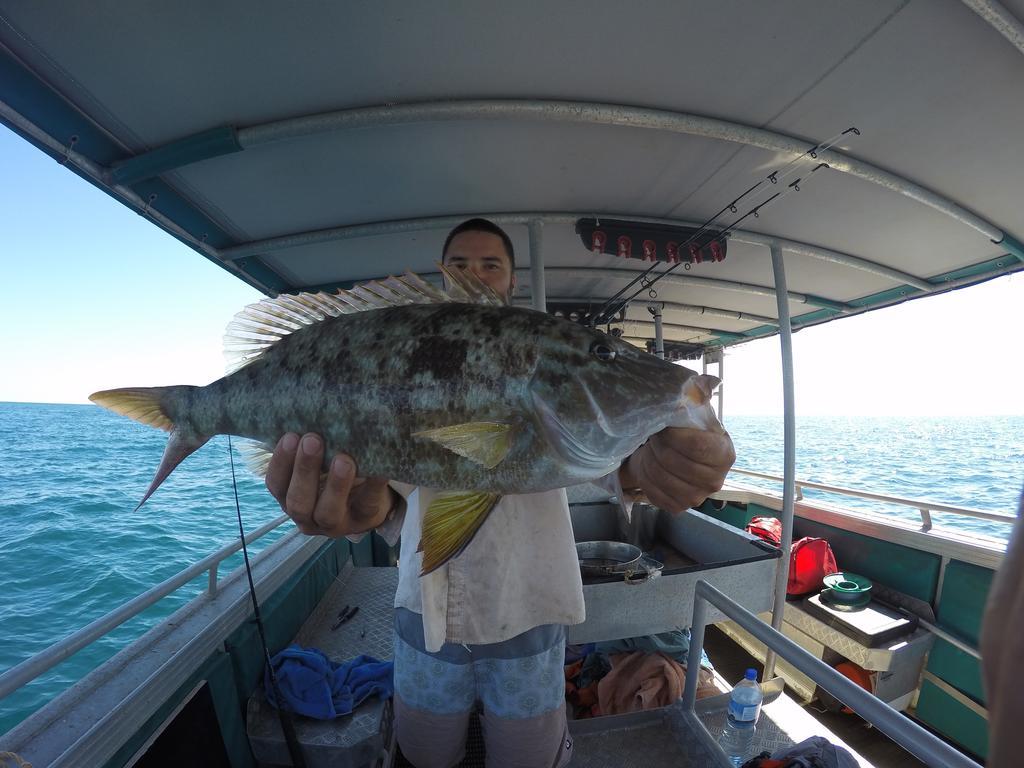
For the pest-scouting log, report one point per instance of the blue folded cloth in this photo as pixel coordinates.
(313, 685)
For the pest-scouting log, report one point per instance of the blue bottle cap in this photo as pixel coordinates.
(751, 674)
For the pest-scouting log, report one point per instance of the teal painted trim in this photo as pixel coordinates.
(1013, 246)
(254, 266)
(892, 294)
(818, 301)
(911, 571)
(283, 613)
(972, 271)
(731, 337)
(191, 149)
(42, 106)
(169, 204)
(959, 669)
(361, 552)
(952, 719)
(734, 514)
(980, 270)
(797, 322)
(216, 671)
(961, 607)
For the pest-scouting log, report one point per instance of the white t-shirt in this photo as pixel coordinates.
(520, 571)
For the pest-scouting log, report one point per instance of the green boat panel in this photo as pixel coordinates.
(372, 550)
(736, 515)
(961, 606)
(962, 603)
(218, 673)
(908, 570)
(283, 614)
(959, 669)
(952, 719)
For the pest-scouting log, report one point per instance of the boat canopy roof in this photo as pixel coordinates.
(309, 146)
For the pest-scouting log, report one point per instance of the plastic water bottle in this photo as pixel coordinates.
(744, 709)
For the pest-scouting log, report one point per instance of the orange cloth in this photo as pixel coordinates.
(645, 681)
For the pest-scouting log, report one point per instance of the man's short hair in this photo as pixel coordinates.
(481, 225)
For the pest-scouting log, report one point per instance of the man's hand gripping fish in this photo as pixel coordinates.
(448, 390)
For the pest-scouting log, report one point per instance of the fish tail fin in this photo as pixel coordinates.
(146, 405)
(450, 523)
(143, 404)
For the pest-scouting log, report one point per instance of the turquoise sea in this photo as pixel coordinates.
(72, 548)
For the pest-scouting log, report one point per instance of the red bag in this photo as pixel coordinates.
(767, 528)
(810, 561)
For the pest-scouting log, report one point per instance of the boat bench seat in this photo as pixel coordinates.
(361, 738)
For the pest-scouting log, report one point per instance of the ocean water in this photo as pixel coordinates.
(72, 548)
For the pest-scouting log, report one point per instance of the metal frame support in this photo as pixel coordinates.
(659, 331)
(579, 113)
(1000, 19)
(912, 737)
(789, 450)
(721, 387)
(718, 357)
(538, 290)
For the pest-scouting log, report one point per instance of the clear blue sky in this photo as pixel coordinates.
(96, 298)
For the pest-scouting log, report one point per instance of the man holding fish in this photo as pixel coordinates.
(487, 624)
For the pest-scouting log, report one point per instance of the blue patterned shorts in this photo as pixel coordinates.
(516, 679)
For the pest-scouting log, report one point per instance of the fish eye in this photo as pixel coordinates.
(602, 351)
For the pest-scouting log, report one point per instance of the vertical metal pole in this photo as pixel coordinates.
(659, 331)
(537, 288)
(721, 387)
(789, 449)
(697, 625)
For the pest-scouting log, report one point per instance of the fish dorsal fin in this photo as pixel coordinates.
(259, 326)
(465, 286)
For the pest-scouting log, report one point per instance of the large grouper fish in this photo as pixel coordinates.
(446, 389)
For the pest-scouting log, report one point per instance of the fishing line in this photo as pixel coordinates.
(284, 714)
(603, 315)
(755, 212)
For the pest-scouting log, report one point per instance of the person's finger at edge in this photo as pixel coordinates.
(304, 484)
(279, 470)
(331, 508)
(700, 447)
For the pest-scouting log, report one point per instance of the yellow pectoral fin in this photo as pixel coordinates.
(485, 442)
(450, 523)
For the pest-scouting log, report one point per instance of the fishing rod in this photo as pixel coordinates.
(284, 712)
(603, 315)
(755, 212)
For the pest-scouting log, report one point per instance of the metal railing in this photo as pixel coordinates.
(31, 668)
(924, 508)
(901, 729)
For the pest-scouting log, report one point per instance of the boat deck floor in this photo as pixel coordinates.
(655, 738)
(870, 746)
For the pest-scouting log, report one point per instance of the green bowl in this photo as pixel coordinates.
(847, 587)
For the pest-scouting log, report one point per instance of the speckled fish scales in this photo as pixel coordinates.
(452, 391)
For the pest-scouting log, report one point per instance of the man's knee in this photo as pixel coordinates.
(542, 741)
(429, 739)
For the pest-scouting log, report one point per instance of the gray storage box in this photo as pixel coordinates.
(692, 546)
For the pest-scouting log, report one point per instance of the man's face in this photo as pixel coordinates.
(483, 254)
